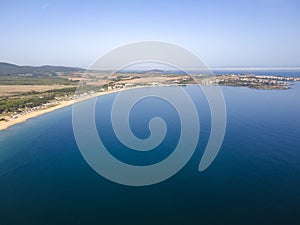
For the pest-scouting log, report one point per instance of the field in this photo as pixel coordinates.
(9, 90)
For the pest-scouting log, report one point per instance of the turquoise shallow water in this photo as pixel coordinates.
(255, 179)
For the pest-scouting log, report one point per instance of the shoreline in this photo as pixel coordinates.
(21, 119)
(6, 124)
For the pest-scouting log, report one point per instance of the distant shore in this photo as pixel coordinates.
(130, 81)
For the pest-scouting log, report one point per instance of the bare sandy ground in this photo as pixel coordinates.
(6, 90)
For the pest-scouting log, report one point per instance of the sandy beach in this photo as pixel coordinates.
(6, 124)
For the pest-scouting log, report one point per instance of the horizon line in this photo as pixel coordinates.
(212, 68)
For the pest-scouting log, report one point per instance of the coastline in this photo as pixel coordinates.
(21, 119)
(6, 124)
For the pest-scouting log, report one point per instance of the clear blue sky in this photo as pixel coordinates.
(257, 33)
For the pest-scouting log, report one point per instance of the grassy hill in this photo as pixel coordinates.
(7, 69)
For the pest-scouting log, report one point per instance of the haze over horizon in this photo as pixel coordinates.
(157, 66)
(256, 34)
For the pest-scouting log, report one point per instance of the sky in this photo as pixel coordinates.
(223, 33)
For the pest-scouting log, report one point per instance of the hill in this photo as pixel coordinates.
(7, 69)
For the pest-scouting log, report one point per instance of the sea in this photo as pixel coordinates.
(255, 178)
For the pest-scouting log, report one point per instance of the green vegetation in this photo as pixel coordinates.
(7, 69)
(32, 99)
(17, 103)
(14, 105)
(19, 80)
(83, 88)
(105, 87)
(188, 80)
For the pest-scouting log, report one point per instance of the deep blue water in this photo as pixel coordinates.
(255, 178)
